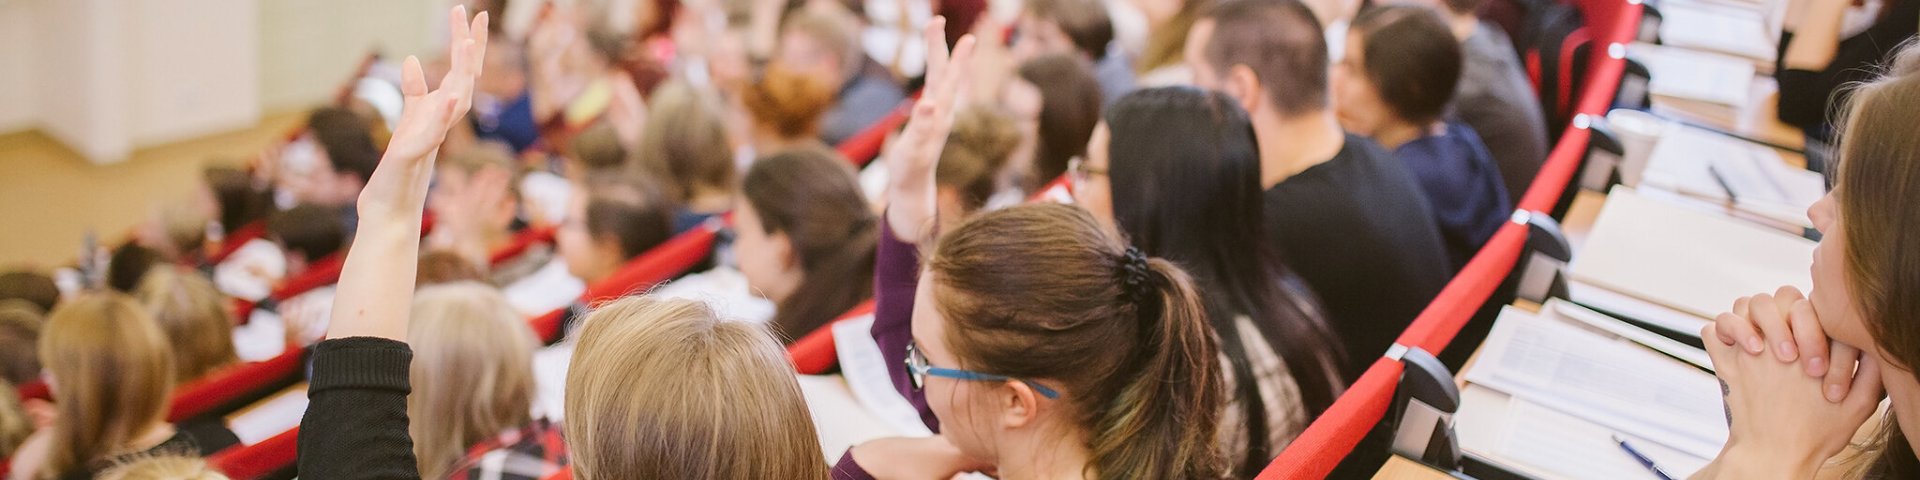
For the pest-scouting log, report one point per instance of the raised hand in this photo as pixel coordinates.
(912, 156)
(398, 187)
(376, 284)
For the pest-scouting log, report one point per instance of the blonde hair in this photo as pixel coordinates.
(665, 389)
(194, 316)
(163, 467)
(14, 426)
(113, 373)
(472, 372)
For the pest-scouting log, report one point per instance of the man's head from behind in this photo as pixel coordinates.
(1269, 54)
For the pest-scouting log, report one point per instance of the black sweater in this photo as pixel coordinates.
(1807, 97)
(356, 421)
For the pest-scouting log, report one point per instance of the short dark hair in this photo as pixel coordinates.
(629, 209)
(347, 139)
(1281, 41)
(1411, 57)
(310, 230)
(1465, 6)
(1084, 21)
(128, 264)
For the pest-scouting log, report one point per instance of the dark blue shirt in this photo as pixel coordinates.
(1462, 184)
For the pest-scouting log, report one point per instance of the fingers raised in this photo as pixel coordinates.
(413, 81)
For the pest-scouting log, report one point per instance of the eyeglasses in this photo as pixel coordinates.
(1078, 171)
(919, 370)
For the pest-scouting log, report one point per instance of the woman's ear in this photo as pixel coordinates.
(1019, 404)
(783, 251)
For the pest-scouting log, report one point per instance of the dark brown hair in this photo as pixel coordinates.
(1084, 21)
(34, 287)
(1043, 291)
(1411, 57)
(628, 209)
(347, 139)
(598, 150)
(128, 264)
(240, 203)
(976, 152)
(1877, 177)
(691, 150)
(1070, 108)
(20, 324)
(310, 230)
(444, 266)
(811, 195)
(1281, 41)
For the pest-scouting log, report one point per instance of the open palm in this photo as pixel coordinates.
(401, 179)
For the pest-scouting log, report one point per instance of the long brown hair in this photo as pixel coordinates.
(1167, 45)
(472, 372)
(666, 389)
(194, 316)
(1042, 291)
(1877, 179)
(1070, 102)
(114, 375)
(811, 195)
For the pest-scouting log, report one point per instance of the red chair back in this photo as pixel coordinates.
(815, 353)
(662, 263)
(230, 385)
(863, 147)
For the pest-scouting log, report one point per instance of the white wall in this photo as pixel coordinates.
(110, 76)
(16, 66)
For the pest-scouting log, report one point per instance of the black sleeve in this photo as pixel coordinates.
(1808, 97)
(356, 421)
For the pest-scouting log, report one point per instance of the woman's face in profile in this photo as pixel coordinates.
(1832, 297)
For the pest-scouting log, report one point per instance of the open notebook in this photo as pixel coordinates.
(1548, 394)
(1711, 166)
(1694, 262)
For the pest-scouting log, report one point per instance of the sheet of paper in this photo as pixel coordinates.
(838, 417)
(1695, 75)
(550, 380)
(1578, 449)
(868, 375)
(1691, 261)
(1627, 307)
(1687, 159)
(1623, 387)
(269, 417)
(1736, 31)
(545, 290)
(1570, 312)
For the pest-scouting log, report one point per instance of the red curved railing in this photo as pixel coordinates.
(1333, 436)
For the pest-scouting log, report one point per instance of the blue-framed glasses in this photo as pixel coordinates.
(919, 370)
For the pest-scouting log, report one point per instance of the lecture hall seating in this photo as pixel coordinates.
(1333, 436)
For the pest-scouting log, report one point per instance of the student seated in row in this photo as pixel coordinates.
(613, 219)
(805, 238)
(1829, 46)
(1077, 27)
(1802, 374)
(1176, 170)
(1058, 96)
(692, 153)
(196, 318)
(1494, 96)
(327, 166)
(1347, 216)
(473, 388)
(112, 376)
(1394, 85)
(822, 42)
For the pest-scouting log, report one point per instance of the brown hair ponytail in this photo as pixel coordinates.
(1042, 291)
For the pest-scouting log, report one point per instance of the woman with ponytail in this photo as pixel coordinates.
(1042, 345)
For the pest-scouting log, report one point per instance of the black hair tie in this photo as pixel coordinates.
(1134, 275)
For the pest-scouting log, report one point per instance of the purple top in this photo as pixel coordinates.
(895, 278)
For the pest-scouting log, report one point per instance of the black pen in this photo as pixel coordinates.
(1642, 458)
(1722, 180)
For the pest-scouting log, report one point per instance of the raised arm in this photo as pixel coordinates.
(912, 156)
(376, 284)
(356, 420)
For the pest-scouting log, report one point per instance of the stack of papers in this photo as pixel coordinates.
(1694, 262)
(1549, 396)
(1742, 32)
(1693, 75)
(1708, 165)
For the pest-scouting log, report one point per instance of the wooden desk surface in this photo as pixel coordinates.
(1400, 468)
